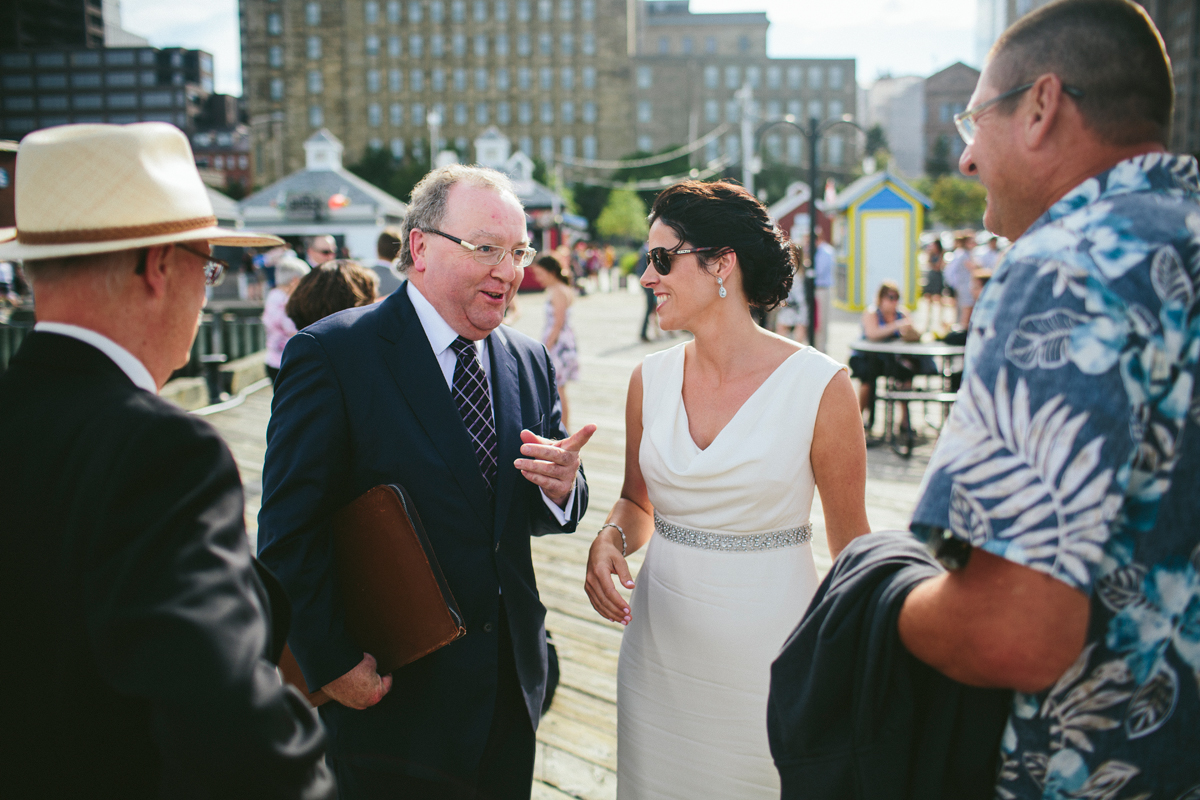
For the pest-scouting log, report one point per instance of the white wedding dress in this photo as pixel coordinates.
(727, 576)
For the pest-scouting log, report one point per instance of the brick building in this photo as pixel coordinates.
(947, 93)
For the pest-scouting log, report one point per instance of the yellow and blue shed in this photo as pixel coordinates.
(878, 219)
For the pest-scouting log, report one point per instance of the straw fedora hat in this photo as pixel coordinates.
(98, 188)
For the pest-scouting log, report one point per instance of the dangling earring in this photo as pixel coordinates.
(721, 284)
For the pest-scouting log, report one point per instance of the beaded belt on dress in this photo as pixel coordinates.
(732, 542)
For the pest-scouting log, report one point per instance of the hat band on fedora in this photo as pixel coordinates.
(88, 236)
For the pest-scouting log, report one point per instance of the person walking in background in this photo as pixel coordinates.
(278, 325)
(321, 249)
(959, 268)
(386, 249)
(650, 318)
(823, 265)
(727, 435)
(791, 320)
(1062, 494)
(332, 287)
(140, 639)
(558, 335)
(934, 288)
(990, 255)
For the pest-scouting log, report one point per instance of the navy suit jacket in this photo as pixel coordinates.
(360, 401)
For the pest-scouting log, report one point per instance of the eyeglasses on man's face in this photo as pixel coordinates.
(491, 254)
(660, 257)
(214, 268)
(965, 120)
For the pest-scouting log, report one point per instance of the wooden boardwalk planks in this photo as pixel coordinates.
(577, 749)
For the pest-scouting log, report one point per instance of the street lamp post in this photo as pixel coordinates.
(812, 136)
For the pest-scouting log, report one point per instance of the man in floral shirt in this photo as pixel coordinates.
(1064, 494)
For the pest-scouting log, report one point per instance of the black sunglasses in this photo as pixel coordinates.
(660, 257)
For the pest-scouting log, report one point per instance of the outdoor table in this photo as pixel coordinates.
(938, 387)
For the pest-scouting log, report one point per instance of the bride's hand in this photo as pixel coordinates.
(604, 561)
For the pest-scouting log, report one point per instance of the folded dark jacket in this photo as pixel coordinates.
(852, 714)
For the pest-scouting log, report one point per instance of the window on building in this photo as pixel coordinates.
(524, 79)
(568, 146)
(774, 110)
(316, 81)
(502, 79)
(481, 79)
(547, 148)
(753, 76)
(566, 10)
(416, 45)
(589, 77)
(416, 80)
(112, 79)
(525, 145)
(396, 114)
(546, 78)
(149, 77)
(835, 78)
(645, 144)
(712, 150)
(501, 10)
(568, 112)
(774, 146)
(589, 147)
(274, 24)
(371, 12)
(815, 76)
(274, 56)
(545, 44)
(545, 10)
(796, 109)
(645, 111)
(712, 76)
(587, 9)
(664, 45)
(524, 113)
(480, 8)
(794, 149)
(397, 147)
(312, 47)
(733, 111)
(395, 81)
(80, 80)
(588, 44)
(312, 12)
(276, 89)
(418, 115)
(372, 80)
(835, 109)
(316, 116)
(710, 44)
(437, 45)
(374, 116)
(795, 77)
(685, 45)
(460, 80)
(437, 80)
(458, 11)
(85, 58)
(503, 113)
(437, 11)
(733, 77)
(568, 44)
(547, 113)
(774, 78)
(394, 49)
(393, 11)
(523, 10)
(743, 44)
(481, 46)
(645, 77)
(460, 113)
(372, 45)
(501, 44)
(589, 112)
(58, 102)
(712, 111)
(523, 44)
(481, 113)
(459, 44)
(733, 146)
(835, 147)
(566, 79)
(815, 109)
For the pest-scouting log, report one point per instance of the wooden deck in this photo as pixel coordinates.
(577, 747)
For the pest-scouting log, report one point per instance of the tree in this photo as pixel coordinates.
(957, 202)
(395, 177)
(938, 163)
(623, 217)
(876, 139)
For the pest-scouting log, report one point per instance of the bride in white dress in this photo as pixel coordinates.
(726, 437)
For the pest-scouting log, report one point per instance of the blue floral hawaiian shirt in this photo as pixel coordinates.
(1074, 449)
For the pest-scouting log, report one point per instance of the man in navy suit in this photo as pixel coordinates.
(426, 389)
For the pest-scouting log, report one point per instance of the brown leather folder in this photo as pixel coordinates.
(398, 604)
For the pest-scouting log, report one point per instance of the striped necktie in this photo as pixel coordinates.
(475, 406)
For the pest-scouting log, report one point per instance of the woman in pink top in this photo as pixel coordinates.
(288, 272)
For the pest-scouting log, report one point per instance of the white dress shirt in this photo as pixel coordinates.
(441, 336)
(124, 359)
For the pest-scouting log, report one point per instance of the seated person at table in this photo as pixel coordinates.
(883, 322)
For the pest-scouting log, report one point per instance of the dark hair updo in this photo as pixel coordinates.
(554, 267)
(724, 214)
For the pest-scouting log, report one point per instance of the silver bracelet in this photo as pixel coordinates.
(620, 530)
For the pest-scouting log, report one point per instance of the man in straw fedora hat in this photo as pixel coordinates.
(136, 624)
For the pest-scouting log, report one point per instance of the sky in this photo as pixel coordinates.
(900, 37)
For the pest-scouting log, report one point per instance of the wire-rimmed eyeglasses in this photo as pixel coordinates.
(965, 120)
(491, 254)
(214, 268)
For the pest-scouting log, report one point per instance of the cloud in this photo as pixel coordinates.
(211, 26)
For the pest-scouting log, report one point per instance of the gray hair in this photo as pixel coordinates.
(427, 206)
(288, 268)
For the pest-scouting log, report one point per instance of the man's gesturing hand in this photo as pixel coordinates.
(361, 687)
(553, 465)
